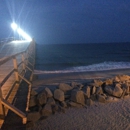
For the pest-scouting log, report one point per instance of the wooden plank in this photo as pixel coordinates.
(24, 79)
(13, 108)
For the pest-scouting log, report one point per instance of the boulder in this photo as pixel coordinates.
(99, 90)
(88, 91)
(33, 116)
(108, 82)
(93, 97)
(75, 84)
(48, 92)
(47, 110)
(114, 91)
(78, 96)
(93, 90)
(33, 92)
(124, 78)
(33, 101)
(59, 95)
(35, 108)
(42, 98)
(51, 101)
(65, 87)
(73, 104)
(63, 104)
(89, 102)
(111, 99)
(98, 83)
(126, 86)
(101, 98)
(116, 79)
(55, 108)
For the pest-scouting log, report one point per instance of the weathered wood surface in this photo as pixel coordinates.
(10, 53)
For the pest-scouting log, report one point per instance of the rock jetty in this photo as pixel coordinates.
(48, 102)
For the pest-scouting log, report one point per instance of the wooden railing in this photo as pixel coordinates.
(19, 69)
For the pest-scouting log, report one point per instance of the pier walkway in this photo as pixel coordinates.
(17, 59)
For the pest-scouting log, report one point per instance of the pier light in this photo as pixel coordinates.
(15, 27)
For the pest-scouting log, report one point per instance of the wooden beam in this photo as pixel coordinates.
(15, 110)
(16, 69)
(24, 79)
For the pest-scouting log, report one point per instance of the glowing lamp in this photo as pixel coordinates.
(21, 32)
(14, 26)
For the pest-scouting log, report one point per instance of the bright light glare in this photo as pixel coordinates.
(14, 26)
(21, 32)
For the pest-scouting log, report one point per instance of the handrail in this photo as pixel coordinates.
(26, 54)
(5, 59)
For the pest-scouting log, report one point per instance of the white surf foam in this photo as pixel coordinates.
(95, 67)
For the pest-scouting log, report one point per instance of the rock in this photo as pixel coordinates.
(126, 86)
(88, 91)
(42, 98)
(114, 91)
(73, 104)
(65, 87)
(59, 95)
(109, 82)
(51, 101)
(63, 104)
(35, 108)
(75, 84)
(89, 102)
(93, 90)
(98, 83)
(47, 110)
(126, 96)
(93, 97)
(111, 99)
(101, 98)
(124, 78)
(78, 96)
(55, 108)
(48, 92)
(33, 116)
(33, 92)
(33, 101)
(99, 90)
(116, 79)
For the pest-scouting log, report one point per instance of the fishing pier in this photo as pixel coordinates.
(17, 60)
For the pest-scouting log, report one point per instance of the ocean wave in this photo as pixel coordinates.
(94, 67)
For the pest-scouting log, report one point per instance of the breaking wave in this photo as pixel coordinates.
(94, 67)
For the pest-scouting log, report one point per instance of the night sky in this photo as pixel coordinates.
(68, 21)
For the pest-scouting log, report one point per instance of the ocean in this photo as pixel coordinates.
(66, 58)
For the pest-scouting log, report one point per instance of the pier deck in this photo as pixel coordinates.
(16, 67)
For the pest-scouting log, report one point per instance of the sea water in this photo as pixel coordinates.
(65, 58)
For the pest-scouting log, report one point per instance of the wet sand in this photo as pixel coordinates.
(108, 116)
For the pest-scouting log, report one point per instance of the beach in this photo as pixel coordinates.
(105, 116)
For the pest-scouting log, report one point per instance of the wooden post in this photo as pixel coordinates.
(23, 60)
(2, 110)
(16, 69)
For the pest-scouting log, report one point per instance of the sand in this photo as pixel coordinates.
(100, 116)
